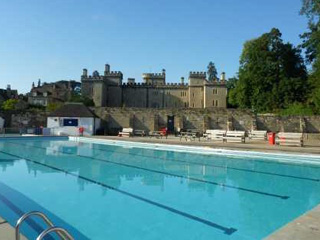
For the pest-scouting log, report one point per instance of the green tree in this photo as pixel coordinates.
(311, 39)
(311, 44)
(9, 104)
(231, 97)
(79, 98)
(212, 72)
(272, 74)
(51, 107)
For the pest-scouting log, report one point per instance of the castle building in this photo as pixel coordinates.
(108, 90)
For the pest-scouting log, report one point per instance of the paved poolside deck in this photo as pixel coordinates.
(7, 231)
(306, 227)
(311, 146)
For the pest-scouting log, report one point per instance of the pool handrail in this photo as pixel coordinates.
(34, 213)
(57, 230)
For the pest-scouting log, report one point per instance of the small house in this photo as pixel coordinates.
(71, 118)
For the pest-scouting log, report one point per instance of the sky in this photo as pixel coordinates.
(54, 40)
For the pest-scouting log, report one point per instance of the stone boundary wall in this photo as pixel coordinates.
(17, 119)
(114, 119)
(148, 119)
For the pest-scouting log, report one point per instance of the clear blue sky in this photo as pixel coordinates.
(56, 39)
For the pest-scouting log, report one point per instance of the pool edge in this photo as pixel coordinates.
(305, 226)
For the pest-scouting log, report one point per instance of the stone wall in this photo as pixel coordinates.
(17, 119)
(114, 119)
(28, 119)
(155, 119)
(202, 119)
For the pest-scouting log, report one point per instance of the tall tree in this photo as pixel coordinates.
(231, 97)
(272, 74)
(311, 44)
(212, 72)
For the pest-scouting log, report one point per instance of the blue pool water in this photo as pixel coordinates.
(125, 192)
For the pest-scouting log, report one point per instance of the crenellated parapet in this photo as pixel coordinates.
(92, 78)
(150, 85)
(202, 75)
(156, 79)
(114, 74)
(216, 83)
(153, 75)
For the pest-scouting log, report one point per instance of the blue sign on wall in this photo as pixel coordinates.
(70, 122)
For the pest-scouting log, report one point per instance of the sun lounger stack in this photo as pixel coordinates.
(287, 138)
(141, 133)
(190, 135)
(214, 134)
(126, 132)
(158, 134)
(235, 136)
(258, 135)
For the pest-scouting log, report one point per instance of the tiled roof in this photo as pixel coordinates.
(72, 110)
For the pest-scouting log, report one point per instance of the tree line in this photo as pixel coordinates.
(273, 75)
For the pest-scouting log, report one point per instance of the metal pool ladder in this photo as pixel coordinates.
(63, 233)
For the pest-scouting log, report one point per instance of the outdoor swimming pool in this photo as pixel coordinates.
(120, 191)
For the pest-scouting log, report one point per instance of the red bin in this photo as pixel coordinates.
(272, 138)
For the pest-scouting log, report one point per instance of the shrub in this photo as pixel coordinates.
(297, 109)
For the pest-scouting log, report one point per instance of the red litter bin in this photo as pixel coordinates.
(272, 138)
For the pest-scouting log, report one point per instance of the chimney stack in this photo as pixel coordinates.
(85, 72)
(106, 69)
(182, 80)
(223, 76)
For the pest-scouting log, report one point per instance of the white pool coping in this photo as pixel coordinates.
(278, 157)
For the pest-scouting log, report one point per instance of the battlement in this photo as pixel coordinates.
(114, 74)
(91, 78)
(216, 83)
(149, 85)
(197, 75)
(154, 75)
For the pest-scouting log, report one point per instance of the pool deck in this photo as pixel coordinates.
(311, 146)
(306, 226)
(7, 232)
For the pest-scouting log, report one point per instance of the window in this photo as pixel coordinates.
(70, 122)
(192, 94)
(215, 91)
(213, 103)
(216, 103)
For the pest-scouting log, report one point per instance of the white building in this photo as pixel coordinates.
(1, 123)
(68, 120)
